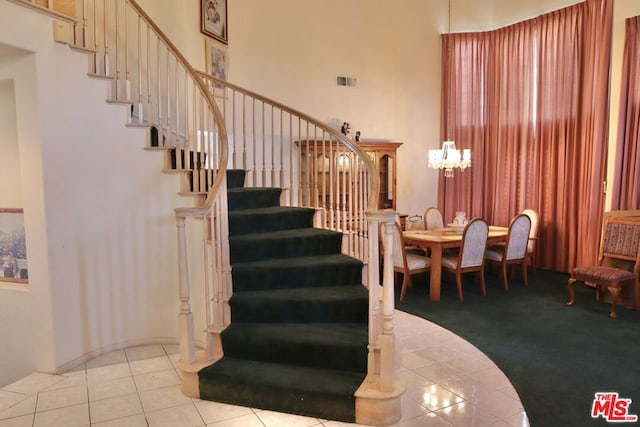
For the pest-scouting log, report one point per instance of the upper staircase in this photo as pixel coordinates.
(295, 315)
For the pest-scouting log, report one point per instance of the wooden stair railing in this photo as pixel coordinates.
(204, 126)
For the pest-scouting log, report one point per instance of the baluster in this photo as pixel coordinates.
(332, 183)
(209, 341)
(85, 25)
(159, 95)
(107, 70)
(116, 82)
(254, 167)
(264, 149)
(187, 342)
(149, 108)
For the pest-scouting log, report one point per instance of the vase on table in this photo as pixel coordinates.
(461, 218)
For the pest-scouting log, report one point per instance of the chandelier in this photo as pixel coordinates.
(449, 158)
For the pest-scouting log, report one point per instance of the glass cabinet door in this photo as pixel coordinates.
(386, 197)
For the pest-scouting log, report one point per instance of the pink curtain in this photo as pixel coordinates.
(530, 100)
(626, 183)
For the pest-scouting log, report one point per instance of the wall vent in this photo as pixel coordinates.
(342, 80)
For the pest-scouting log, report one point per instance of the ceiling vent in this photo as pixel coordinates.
(343, 80)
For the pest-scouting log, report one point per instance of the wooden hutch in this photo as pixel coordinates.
(327, 170)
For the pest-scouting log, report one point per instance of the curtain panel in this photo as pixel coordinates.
(530, 100)
(626, 182)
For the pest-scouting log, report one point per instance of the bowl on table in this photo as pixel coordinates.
(456, 228)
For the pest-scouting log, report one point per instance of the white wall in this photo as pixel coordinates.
(301, 46)
(25, 310)
(98, 213)
(10, 192)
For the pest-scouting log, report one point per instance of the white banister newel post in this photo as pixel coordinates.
(378, 400)
(187, 342)
(381, 300)
(373, 283)
(387, 339)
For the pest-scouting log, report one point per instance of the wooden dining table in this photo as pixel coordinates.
(437, 240)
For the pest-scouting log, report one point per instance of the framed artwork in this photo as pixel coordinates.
(13, 248)
(217, 60)
(214, 19)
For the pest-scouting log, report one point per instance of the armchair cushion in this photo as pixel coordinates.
(602, 273)
(495, 253)
(416, 262)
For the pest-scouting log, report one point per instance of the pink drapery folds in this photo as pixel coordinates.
(531, 102)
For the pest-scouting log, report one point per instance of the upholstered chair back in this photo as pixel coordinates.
(533, 232)
(433, 219)
(474, 243)
(518, 239)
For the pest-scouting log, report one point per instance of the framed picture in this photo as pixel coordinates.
(13, 248)
(214, 19)
(217, 60)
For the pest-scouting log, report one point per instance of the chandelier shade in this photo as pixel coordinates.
(449, 157)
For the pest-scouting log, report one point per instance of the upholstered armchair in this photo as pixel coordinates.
(620, 244)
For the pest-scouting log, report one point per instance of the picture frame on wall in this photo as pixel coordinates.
(217, 60)
(214, 19)
(13, 248)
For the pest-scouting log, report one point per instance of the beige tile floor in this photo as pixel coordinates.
(449, 383)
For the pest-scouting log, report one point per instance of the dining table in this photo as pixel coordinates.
(438, 240)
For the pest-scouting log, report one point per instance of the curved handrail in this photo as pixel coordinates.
(372, 202)
(216, 186)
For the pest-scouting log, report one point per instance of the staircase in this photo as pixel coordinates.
(296, 318)
(297, 341)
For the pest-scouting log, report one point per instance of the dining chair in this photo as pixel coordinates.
(433, 219)
(470, 257)
(405, 262)
(620, 244)
(533, 237)
(514, 250)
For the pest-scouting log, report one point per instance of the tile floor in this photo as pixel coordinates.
(449, 383)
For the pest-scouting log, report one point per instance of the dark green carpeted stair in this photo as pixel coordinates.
(298, 338)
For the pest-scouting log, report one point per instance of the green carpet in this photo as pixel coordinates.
(298, 338)
(556, 357)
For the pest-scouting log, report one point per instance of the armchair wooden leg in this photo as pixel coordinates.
(405, 283)
(524, 274)
(483, 287)
(599, 292)
(531, 261)
(504, 276)
(571, 292)
(615, 291)
(459, 285)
